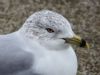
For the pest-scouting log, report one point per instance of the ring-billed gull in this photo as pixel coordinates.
(42, 46)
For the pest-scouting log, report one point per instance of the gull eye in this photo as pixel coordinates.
(50, 30)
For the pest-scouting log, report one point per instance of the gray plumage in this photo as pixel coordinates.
(13, 59)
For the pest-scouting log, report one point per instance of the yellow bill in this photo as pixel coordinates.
(76, 40)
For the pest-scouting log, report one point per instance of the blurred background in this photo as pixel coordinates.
(84, 15)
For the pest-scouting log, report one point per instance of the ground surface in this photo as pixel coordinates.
(83, 14)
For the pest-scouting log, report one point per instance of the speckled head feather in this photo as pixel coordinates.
(36, 24)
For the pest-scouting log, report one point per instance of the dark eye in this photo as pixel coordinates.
(50, 30)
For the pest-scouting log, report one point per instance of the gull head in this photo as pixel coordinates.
(51, 30)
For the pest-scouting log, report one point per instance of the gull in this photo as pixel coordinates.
(42, 46)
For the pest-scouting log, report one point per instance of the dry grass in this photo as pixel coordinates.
(83, 14)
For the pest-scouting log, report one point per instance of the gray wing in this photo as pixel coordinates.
(13, 59)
